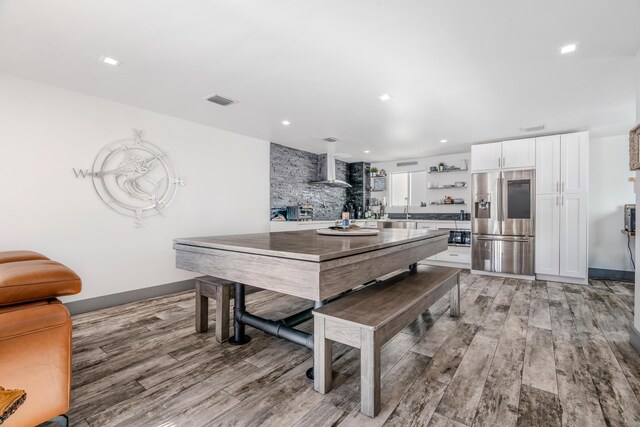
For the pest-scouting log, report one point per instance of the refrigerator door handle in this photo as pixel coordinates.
(505, 238)
(499, 201)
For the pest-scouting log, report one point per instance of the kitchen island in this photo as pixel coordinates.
(456, 255)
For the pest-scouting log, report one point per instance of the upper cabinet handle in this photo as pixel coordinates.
(504, 162)
(499, 162)
(563, 186)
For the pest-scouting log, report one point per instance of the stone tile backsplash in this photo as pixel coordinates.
(291, 172)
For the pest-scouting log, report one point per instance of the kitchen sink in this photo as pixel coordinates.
(396, 224)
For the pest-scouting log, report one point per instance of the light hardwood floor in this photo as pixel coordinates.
(522, 353)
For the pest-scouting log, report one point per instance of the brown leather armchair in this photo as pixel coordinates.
(35, 334)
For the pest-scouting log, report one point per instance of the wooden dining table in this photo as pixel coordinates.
(304, 264)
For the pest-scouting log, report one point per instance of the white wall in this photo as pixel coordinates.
(46, 131)
(609, 190)
(636, 320)
(441, 179)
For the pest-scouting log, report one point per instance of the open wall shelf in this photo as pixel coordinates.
(451, 170)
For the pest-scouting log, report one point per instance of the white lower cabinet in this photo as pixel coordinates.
(573, 235)
(456, 254)
(548, 234)
(562, 207)
(561, 235)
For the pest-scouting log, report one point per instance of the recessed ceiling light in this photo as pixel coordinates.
(366, 151)
(442, 141)
(286, 122)
(384, 97)
(110, 61)
(568, 48)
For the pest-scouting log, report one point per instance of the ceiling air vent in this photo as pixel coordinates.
(221, 100)
(531, 128)
(331, 139)
(406, 164)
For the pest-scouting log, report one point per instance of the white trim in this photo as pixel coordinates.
(562, 279)
(507, 275)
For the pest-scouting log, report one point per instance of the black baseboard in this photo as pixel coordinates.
(601, 273)
(91, 304)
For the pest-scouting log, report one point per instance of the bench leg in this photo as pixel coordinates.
(370, 373)
(222, 313)
(454, 296)
(202, 310)
(322, 371)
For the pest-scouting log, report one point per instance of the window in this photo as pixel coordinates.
(411, 185)
(399, 188)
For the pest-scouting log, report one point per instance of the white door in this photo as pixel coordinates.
(485, 157)
(548, 234)
(548, 165)
(574, 170)
(573, 235)
(519, 154)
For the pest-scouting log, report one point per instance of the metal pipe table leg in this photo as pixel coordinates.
(239, 337)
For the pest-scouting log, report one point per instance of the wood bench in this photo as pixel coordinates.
(369, 318)
(221, 291)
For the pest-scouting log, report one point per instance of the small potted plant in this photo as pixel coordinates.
(441, 166)
(374, 171)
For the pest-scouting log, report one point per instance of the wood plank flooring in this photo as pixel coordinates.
(521, 354)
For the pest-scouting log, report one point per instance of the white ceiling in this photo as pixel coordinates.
(467, 71)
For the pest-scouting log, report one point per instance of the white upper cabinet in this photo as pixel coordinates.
(548, 165)
(486, 156)
(519, 154)
(575, 163)
(516, 154)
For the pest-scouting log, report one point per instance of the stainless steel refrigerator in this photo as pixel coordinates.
(503, 222)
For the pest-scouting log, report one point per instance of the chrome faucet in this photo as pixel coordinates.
(406, 208)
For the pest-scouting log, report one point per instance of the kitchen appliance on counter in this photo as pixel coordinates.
(503, 222)
(300, 213)
(458, 237)
(630, 218)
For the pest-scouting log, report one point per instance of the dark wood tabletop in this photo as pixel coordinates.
(308, 245)
(305, 263)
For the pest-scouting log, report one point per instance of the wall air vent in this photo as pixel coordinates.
(331, 139)
(221, 100)
(531, 128)
(406, 164)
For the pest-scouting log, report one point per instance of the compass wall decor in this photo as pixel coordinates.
(133, 177)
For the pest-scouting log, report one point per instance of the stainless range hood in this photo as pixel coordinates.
(327, 171)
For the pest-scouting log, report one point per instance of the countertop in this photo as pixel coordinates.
(327, 221)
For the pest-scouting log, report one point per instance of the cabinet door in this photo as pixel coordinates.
(574, 169)
(548, 165)
(486, 156)
(548, 234)
(519, 153)
(573, 235)
(456, 254)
